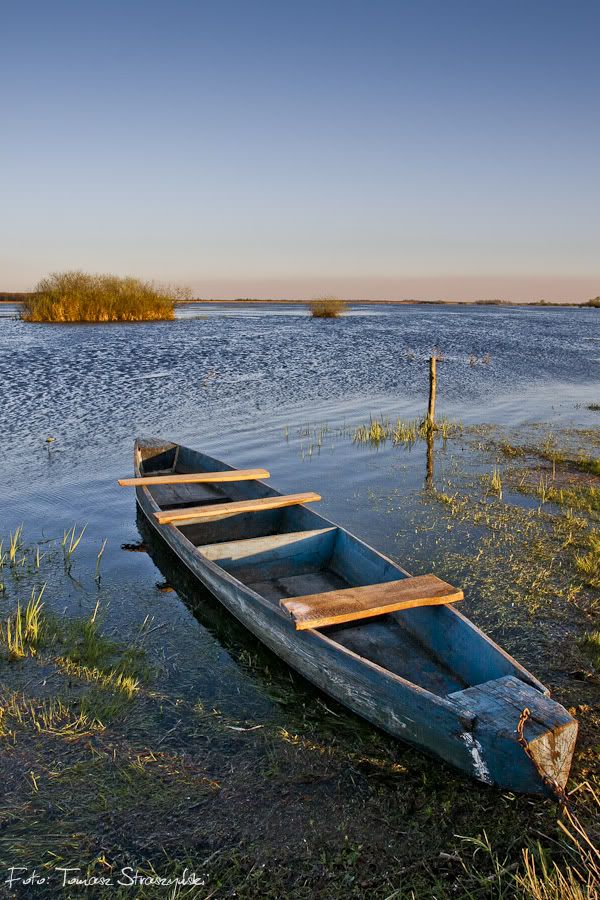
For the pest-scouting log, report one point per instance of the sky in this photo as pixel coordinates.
(257, 149)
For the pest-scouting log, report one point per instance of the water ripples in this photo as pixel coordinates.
(95, 386)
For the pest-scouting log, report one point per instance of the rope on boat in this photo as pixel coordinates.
(547, 780)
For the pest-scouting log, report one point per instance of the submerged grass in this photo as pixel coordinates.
(81, 297)
(402, 432)
(88, 654)
(84, 643)
(534, 557)
(548, 450)
(581, 497)
(53, 715)
(113, 678)
(77, 646)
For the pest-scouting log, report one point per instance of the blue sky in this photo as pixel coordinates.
(374, 149)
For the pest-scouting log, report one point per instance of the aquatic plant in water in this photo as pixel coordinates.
(81, 297)
(21, 632)
(70, 543)
(326, 307)
(99, 559)
(405, 432)
(496, 482)
(15, 544)
(376, 432)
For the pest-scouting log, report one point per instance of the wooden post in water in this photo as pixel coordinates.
(429, 475)
(430, 420)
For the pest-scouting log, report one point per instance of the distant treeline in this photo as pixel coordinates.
(412, 302)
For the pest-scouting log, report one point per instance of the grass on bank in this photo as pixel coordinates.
(110, 777)
(590, 644)
(588, 562)
(326, 307)
(82, 297)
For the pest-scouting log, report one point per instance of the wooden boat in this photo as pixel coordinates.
(392, 648)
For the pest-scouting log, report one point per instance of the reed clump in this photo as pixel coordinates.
(22, 630)
(378, 431)
(15, 544)
(327, 307)
(496, 482)
(402, 431)
(82, 297)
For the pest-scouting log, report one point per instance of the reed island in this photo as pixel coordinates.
(82, 297)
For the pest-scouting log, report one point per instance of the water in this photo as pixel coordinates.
(235, 380)
(230, 380)
(268, 386)
(243, 382)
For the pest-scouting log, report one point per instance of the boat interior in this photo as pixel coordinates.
(292, 552)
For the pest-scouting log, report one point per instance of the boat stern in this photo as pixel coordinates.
(521, 739)
(552, 754)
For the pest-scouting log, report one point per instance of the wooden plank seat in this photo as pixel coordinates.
(349, 604)
(196, 477)
(193, 515)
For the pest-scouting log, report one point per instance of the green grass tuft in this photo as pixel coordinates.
(590, 643)
(588, 564)
(22, 630)
(376, 432)
(113, 678)
(405, 432)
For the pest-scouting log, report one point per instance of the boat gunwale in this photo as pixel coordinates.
(219, 572)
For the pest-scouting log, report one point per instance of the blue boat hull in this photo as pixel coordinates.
(427, 676)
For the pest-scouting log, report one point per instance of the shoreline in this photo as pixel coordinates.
(503, 304)
(480, 303)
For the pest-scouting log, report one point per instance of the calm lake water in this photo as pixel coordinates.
(262, 386)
